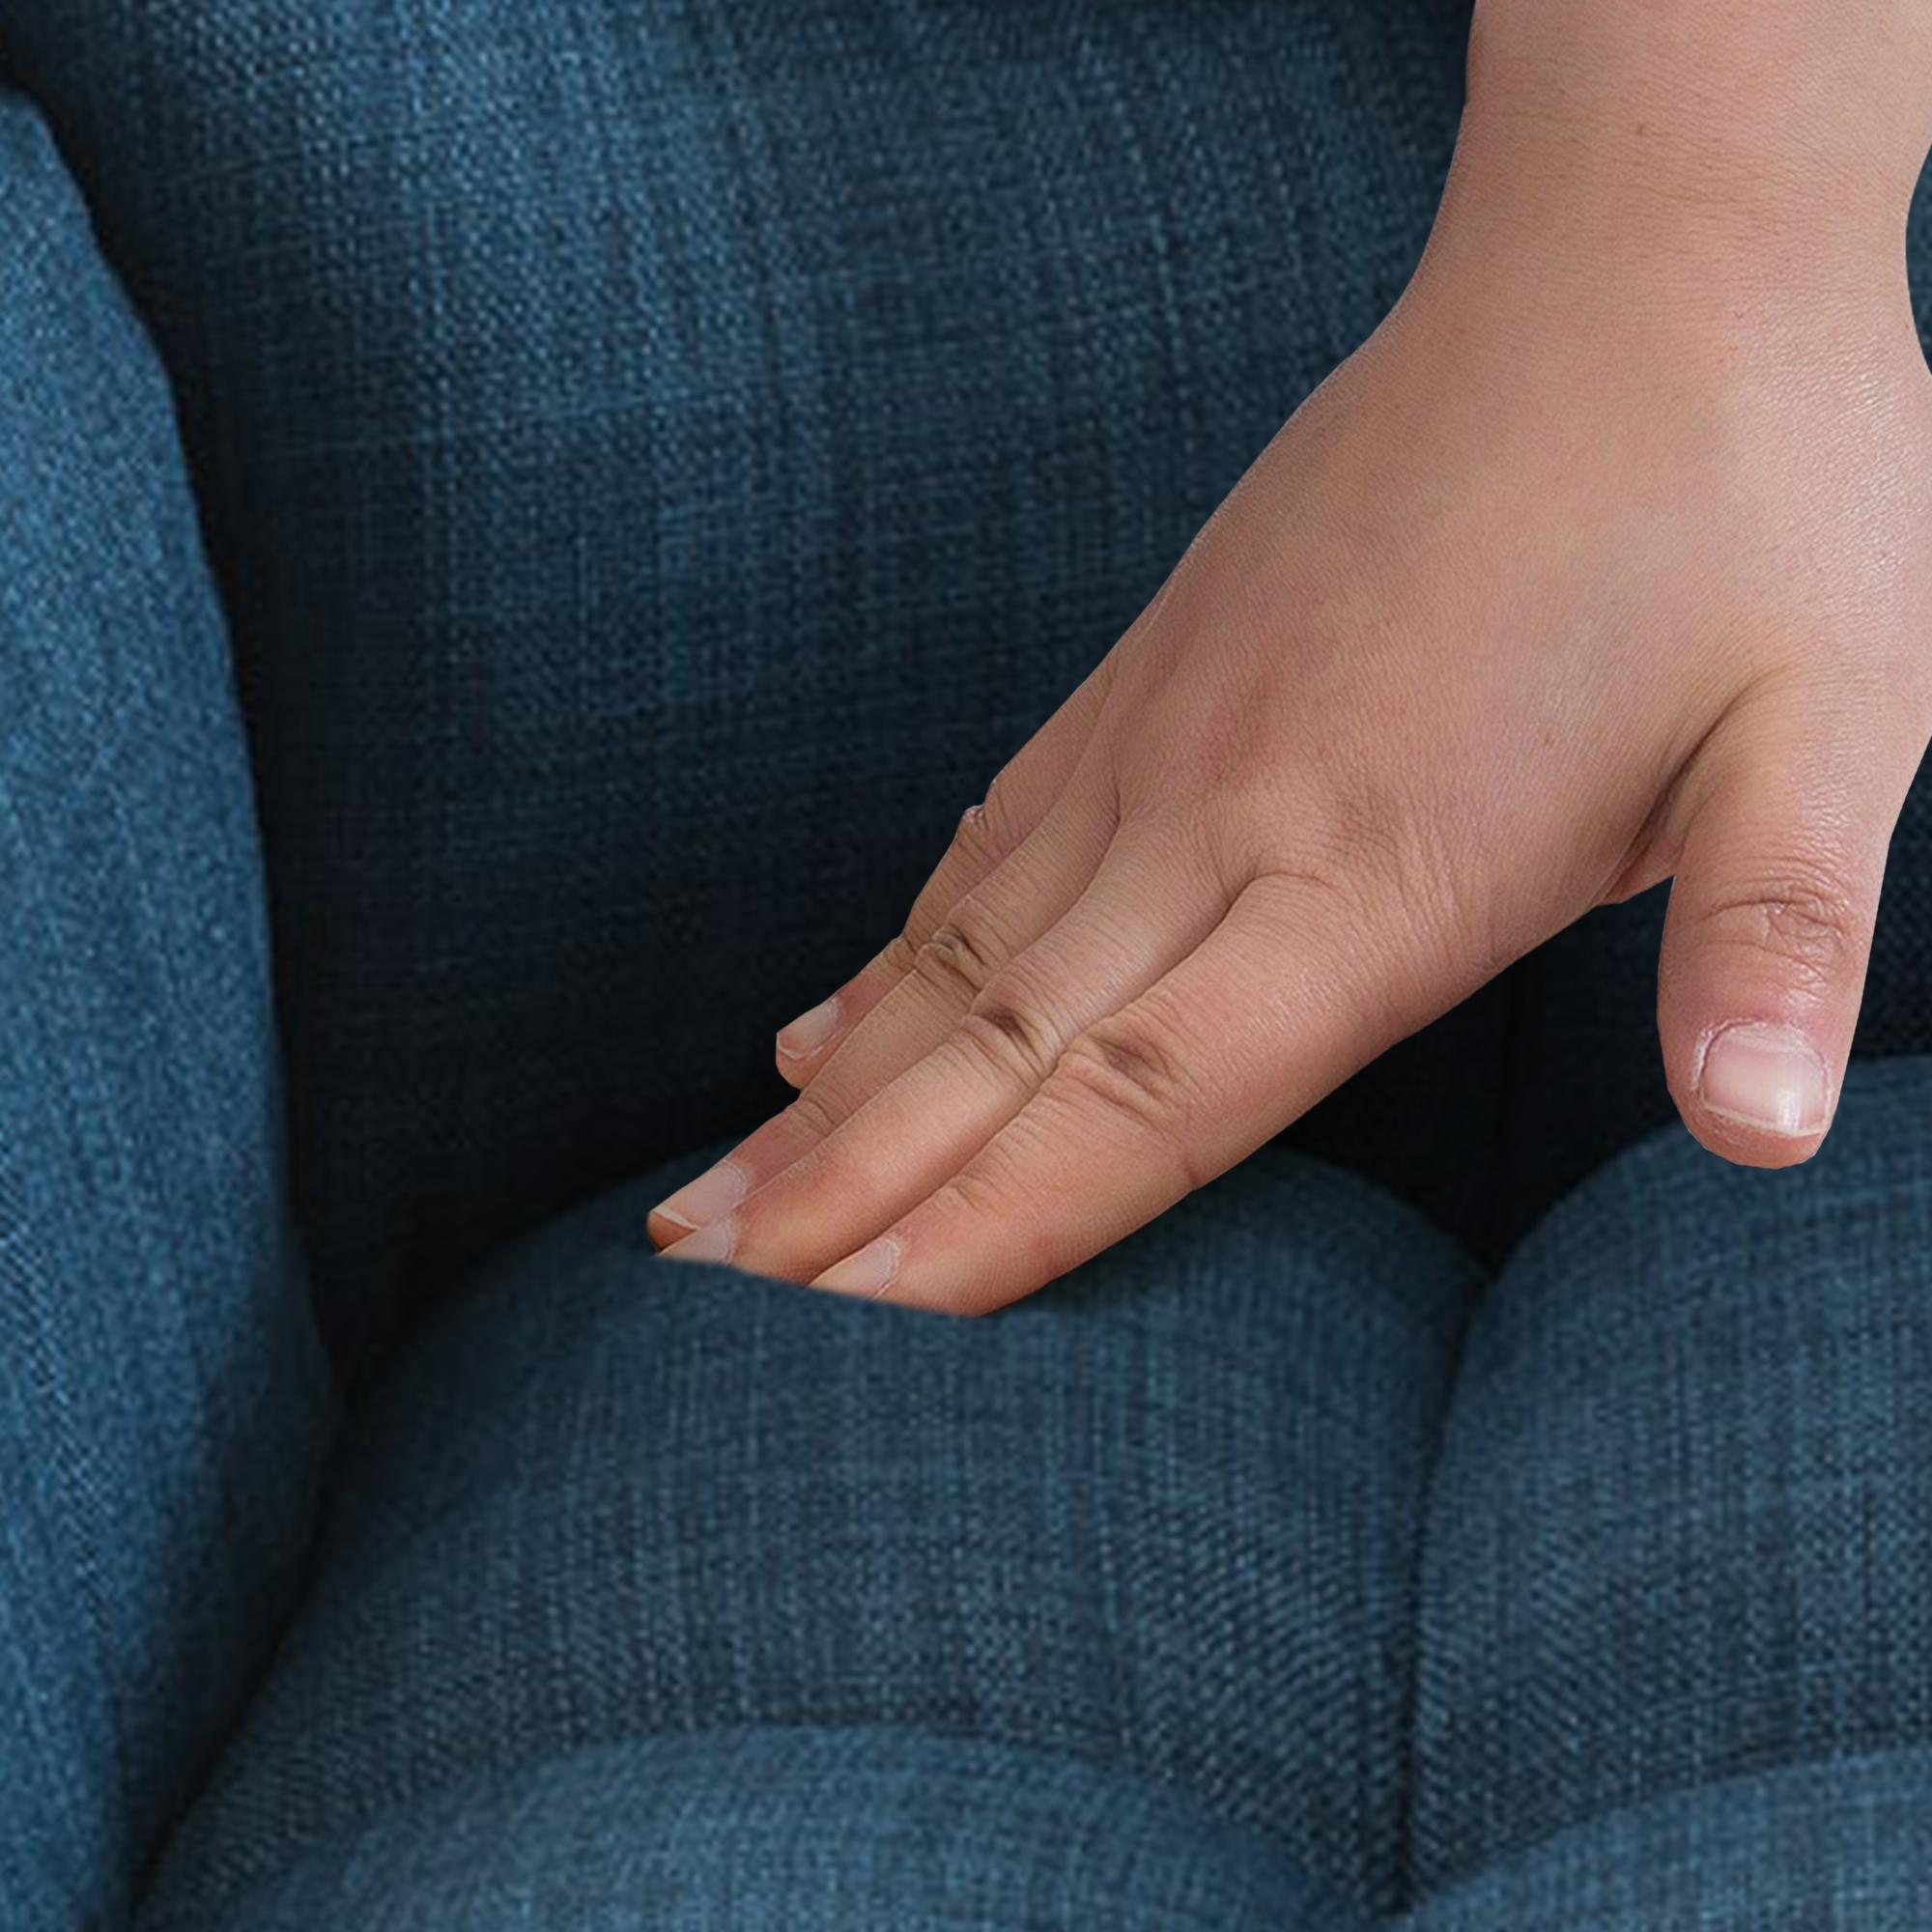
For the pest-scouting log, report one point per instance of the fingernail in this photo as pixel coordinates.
(712, 1242)
(1766, 1076)
(867, 1272)
(716, 1191)
(811, 1029)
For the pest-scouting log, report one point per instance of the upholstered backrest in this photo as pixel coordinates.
(164, 1402)
(661, 460)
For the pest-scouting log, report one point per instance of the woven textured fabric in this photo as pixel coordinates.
(1839, 1847)
(793, 1829)
(1680, 1527)
(163, 1400)
(1604, 1609)
(661, 460)
(1161, 1519)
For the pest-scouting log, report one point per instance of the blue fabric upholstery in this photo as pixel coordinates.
(1844, 1846)
(1656, 1515)
(786, 1829)
(1161, 1519)
(661, 460)
(1680, 1527)
(163, 1400)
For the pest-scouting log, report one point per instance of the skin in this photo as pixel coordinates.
(1607, 559)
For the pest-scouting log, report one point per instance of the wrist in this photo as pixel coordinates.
(1701, 146)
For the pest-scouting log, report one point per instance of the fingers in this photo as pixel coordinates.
(1146, 907)
(1281, 1002)
(1016, 902)
(1019, 798)
(1769, 924)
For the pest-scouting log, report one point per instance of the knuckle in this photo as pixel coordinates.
(1312, 892)
(1011, 1037)
(1129, 1071)
(978, 829)
(986, 826)
(1314, 906)
(1393, 918)
(1798, 914)
(900, 954)
(813, 1110)
(993, 1191)
(979, 1193)
(956, 959)
(1371, 834)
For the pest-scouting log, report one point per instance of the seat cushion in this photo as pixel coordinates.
(1837, 1846)
(1158, 1523)
(661, 460)
(1681, 1529)
(789, 1829)
(164, 1405)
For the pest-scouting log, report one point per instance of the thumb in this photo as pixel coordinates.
(1769, 924)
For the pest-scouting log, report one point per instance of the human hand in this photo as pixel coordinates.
(1607, 559)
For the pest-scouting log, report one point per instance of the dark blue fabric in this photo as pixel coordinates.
(1844, 1846)
(1161, 1519)
(1681, 1528)
(789, 1829)
(163, 1400)
(1668, 1490)
(661, 458)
